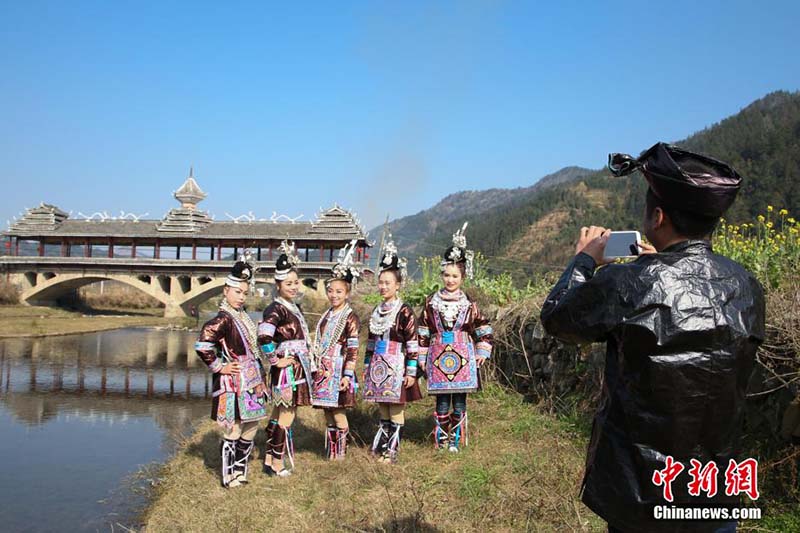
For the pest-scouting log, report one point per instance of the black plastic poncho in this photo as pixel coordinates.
(682, 328)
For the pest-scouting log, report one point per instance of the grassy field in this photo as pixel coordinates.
(28, 321)
(521, 471)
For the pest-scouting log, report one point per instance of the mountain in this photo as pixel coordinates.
(526, 231)
(413, 233)
(537, 232)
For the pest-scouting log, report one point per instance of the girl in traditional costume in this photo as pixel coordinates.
(455, 339)
(228, 345)
(335, 352)
(390, 376)
(284, 339)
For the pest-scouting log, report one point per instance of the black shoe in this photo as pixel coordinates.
(267, 470)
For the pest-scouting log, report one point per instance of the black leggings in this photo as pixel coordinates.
(458, 400)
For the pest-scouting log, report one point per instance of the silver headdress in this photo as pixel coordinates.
(346, 268)
(458, 253)
(287, 261)
(244, 270)
(249, 259)
(390, 260)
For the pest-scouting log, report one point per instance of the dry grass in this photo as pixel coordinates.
(521, 472)
(9, 293)
(774, 385)
(538, 234)
(29, 321)
(116, 296)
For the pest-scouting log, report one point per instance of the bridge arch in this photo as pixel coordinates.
(178, 292)
(50, 288)
(201, 293)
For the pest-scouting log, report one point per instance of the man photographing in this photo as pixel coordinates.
(682, 327)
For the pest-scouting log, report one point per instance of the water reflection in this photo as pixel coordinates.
(107, 374)
(98, 406)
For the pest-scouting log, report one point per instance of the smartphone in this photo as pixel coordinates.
(623, 244)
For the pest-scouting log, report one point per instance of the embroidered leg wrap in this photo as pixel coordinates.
(282, 446)
(393, 446)
(341, 442)
(270, 433)
(228, 452)
(243, 450)
(458, 431)
(441, 430)
(381, 437)
(331, 442)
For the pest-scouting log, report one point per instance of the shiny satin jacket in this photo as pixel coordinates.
(682, 328)
(286, 326)
(403, 331)
(208, 348)
(279, 325)
(475, 324)
(348, 341)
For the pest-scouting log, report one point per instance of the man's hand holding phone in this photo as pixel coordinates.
(606, 246)
(592, 241)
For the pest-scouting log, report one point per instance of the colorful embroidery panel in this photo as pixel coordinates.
(325, 392)
(384, 375)
(252, 405)
(452, 368)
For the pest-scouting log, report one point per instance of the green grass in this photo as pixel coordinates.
(787, 521)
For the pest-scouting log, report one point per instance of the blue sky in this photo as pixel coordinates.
(381, 107)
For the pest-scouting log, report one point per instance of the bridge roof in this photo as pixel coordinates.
(335, 224)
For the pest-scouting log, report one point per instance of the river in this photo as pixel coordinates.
(82, 419)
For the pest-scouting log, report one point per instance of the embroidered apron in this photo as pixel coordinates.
(283, 392)
(241, 390)
(384, 380)
(452, 366)
(325, 392)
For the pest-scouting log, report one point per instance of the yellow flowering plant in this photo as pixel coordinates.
(770, 248)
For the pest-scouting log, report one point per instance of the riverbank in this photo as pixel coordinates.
(31, 321)
(521, 471)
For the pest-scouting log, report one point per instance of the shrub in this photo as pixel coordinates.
(768, 247)
(497, 289)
